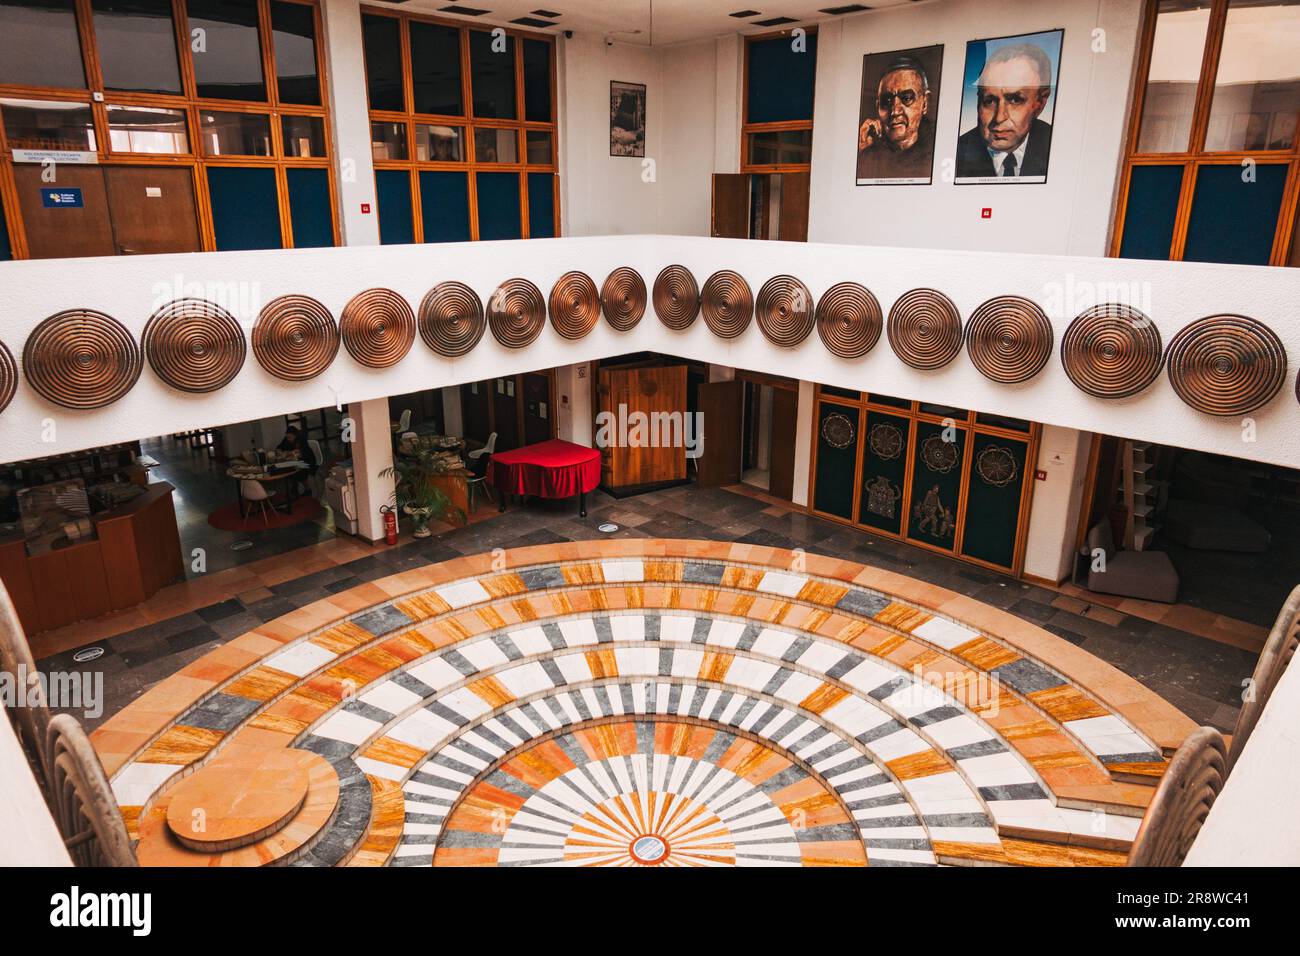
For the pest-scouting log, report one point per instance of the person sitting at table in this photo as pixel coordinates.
(295, 441)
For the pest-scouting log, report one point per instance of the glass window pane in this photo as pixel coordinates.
(309, 207)
(304, 136)
(39, 45)
(147, 129)
(381, 37)
(1002, 421)
(498, 206)
(137, 45)
(842, 392)
(537, 81)
(1233, 220)
(492, 74)
(435, 69)
(444, 206)
(393, 195)
(541, 205)
(227, 54)
(1151, 212)
(235, 134)
(944, 411)
(293, 28)
(1257, 88)
(888, 400)
(439, 144)
(40, 124)
(388, 140)
(781, 80)
(781, 146)
(245, 208)
(1176, 54)
(496, 146)
(538, 144)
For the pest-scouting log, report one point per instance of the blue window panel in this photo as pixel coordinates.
(245, 208)
(541, 205)
(309, 208)
(444, 206)
(498, 206)
(1151, 212)
(781, 81)
(6, 253)
(1234, 221)
(393, 194)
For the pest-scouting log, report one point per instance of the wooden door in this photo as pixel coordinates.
(794, 206)
(657, 454)
(152, 209)
(64, 231)
(505, 412)
(720, 407)
(731, 205)
(785, 407)
(539, 407)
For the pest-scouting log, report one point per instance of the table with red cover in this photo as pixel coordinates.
(548, 469)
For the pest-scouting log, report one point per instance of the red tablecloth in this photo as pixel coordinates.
(549, 469)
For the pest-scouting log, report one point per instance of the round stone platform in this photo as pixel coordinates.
(238, 800)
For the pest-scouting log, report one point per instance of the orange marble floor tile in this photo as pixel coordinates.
(715, 665)
(181, 745)
(923, 764)
(388, 750)
(823, 698)
(539, 765)
(946, 850)
(387, 816)
(602, 663)
(1067, 702)
(833, 853)
(490, 690)
(465, 856)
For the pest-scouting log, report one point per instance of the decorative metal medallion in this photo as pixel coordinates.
(931, 516)
(194, 345)
(295, 338)
(1227, 364)
(1112, 351)
(885, 441)
(574, 305)
(849, 320)
(676, 297)
(727, 304)
(451, 319)
(378, 328)
(883, 497)
(1009, 339)
(81, 359)
(837, 430)
(8, 376)
(622, 298)
(939, 455)
(516, 313)
(924, 329)
(996, 466)
(785, 311)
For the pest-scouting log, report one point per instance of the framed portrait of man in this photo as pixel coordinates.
(1008, 105)
(900, 100)
(626, 119)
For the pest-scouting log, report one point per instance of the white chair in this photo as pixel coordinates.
(250, 490)
(404, 423)
(486, 449)
(319, 457)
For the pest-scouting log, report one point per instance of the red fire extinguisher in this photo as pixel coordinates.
(390, 524)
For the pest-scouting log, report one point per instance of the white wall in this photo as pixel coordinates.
(686, 159)
(1057, 498)
(1069, 214)
(354, 172)
(30, 837)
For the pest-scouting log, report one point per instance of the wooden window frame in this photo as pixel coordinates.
(1195, 155)
(468, 122)
(192, 105)
(914, 415)
(747, 128)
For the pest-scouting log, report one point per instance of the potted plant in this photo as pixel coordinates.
(415, 495)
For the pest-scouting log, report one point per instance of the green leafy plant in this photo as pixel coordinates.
(414, 494)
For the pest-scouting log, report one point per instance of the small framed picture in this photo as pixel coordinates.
(626, 118)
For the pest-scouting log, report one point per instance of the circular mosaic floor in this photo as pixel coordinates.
(660, 703)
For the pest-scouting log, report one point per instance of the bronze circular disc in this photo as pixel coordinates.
(1226, 364)
(8, 376)
(1112, 351)
(377, 327)
(622, 298)
(849, 320)
(676, 297)
(295, 338)
(516, 313)
(574, 305)
(1009, 339)
(451, 319)
(81, 359)
(727, 304)
(194, 345)
(785, 311)
(924, 329)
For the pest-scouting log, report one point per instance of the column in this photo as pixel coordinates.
(803, 439)
(345, 74)
(1054, 520)
(372, 452)
(453, 416)
(573, 396)
(728, 90)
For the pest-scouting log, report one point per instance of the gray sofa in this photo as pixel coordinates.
(1148, 575)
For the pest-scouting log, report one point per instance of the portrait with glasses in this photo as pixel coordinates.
(900, 99)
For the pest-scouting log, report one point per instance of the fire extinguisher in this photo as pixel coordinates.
(390, 524)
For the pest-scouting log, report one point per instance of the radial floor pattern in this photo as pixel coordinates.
(649, 703)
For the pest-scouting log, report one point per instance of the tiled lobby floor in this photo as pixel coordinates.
(1201, 677)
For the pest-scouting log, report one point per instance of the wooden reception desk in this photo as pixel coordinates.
(137, 550)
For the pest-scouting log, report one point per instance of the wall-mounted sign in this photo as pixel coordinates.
(61, 199)
(74, 157)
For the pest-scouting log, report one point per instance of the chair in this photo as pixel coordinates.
(404, 423)
(487, 449)
(82, 800)
(1273, 660)
(1148, 575)
(318, 457)
(255, 491)
(479, 484)
(29, 721)
(1190, 786)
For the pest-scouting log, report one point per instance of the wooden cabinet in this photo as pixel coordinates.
(646, 409)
